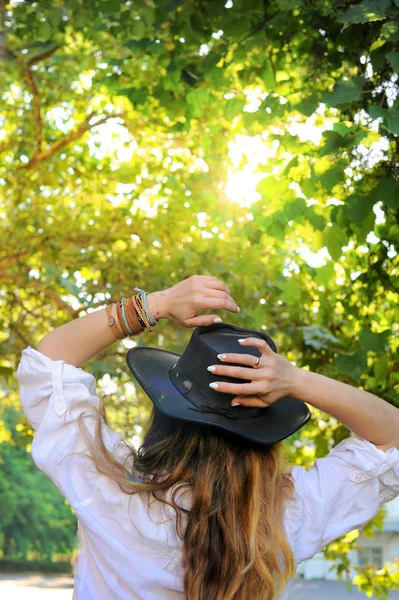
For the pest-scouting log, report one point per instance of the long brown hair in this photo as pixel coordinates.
(235, 545)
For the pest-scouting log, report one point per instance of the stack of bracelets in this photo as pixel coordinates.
(133, 315)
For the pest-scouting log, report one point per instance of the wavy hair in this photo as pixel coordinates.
(235, 544)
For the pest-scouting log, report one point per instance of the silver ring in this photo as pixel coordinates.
(257, 362)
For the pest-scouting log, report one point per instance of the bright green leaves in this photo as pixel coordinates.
(325, 275)
(198, 100)
(295, 210)
(267, 76)
(365, 11)
(345, 91)
(234, 107)
(292, 292)
(334, 238)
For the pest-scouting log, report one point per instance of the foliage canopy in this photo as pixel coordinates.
(120, 123)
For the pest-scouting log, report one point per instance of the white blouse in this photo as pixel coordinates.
(126, 553)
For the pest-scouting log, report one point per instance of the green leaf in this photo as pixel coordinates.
(318, 337)
(317, 221)
(345, 91)
(45, 31)
(374, 342)
(198, 99)
(389, 32)
(364, 12)
(393, 58)
(237, 28)
(308, 106)
(390, 116)
(137, 29)
(334, 238)
(332, 177)
(342, 129)
(268, 76)
(381, 367)
(352, 365)
(136, 96)
(325, 275)
(293, 163)
(292, 292)
(358, 207)
(234, 107)
(296, 209)
(388, 192)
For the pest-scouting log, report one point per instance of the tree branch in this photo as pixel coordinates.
(36, 109)
(42, 56)
(9, 143)
(12, 257)
(67, 139)
(50, 293)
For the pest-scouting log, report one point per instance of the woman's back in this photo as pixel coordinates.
(128, 550)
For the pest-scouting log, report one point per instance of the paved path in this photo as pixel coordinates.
(43, 587)
(327, 590)
(36, 587)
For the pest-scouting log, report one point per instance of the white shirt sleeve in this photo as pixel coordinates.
(341, 492)
(53, 395)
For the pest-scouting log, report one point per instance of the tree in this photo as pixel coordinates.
(176, 82)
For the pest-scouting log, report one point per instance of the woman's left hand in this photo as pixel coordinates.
(182, 302)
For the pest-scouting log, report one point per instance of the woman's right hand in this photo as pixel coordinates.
(271, 380)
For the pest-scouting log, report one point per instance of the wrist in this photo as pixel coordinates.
(297, 382)
(157, 305)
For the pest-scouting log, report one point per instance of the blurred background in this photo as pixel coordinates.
(144, 142)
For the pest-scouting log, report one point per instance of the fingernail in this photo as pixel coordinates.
(221, 356)
(218, 320)
(241, 341)
(236, 404)
(238, 309)
(212, 369)
(214, 386)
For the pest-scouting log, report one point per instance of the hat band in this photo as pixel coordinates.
(186, 387)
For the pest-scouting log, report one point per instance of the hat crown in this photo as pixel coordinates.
(191, 377)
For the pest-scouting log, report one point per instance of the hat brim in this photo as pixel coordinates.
(151, 366)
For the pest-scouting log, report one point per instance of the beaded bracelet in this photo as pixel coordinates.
(143, 296)
(133, 316)
(137, 309)
(144, 313)
(130, 330)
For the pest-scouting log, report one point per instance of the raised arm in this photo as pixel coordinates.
(367, 415)
(81, 339)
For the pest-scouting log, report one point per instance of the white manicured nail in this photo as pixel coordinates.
(214, 386)
(221, 356)
(236, 404)
(211, 369)
(238, 309)
(241, 341)
(218, 320)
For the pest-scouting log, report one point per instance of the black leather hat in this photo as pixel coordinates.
(178, 385)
